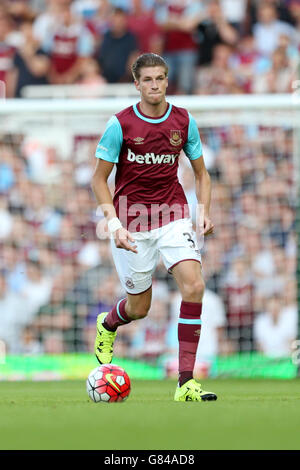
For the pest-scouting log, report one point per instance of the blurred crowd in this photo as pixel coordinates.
(56, 275)
(211, 46)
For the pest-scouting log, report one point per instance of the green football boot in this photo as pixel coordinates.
(104, 341)
(191, 391)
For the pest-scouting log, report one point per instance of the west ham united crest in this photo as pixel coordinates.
(129, 282)
(175, 138)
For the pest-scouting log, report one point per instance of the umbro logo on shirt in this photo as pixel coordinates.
(152, 158)
(139, 140)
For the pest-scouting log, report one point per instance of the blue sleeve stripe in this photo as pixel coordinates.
(193, 146)
(186, 321)
(111, 141)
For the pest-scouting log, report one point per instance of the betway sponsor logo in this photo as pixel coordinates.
(152, 158)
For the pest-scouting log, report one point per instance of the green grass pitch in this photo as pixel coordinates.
(249, 414)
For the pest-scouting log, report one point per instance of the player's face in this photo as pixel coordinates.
(152, 84)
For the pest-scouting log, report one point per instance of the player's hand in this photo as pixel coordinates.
(123, 239)
(208, 226)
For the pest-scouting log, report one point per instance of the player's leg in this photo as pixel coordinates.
(188, 277)
(181, 256)
(138, 305)
(132, 307)
(135, 274)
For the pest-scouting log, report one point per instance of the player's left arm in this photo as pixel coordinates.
(203, 191)
(193, 150)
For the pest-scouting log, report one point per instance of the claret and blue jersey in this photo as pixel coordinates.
(146, 151)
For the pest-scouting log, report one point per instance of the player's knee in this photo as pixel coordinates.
(193, 291)
(138, 314)
(139, 311)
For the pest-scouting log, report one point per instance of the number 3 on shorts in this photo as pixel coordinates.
(189, 239)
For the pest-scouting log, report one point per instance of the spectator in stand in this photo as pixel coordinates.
(87, 9)
(214, 29)
(247, 62)
(7, 175)
(214, 267)
(235, 12)
(291, 48)
(150, 341)
(285, 224)
(213, 341)
(46, 23)
(53, 343)
(282, 8)
(267, 280)
(20, 12)
(98, 21)
(36, 290)
(91, 75)
(40, 161)
(103, 297)
(281, 267)
(19, 168)
(13, 266)
(290, 294)
(268, 29)
(11, 316)
(275, 329)
(176, 19)
(228, 157)
(249, 209)
(57, 315)
(30, 61)
(7, 53)
(85, 227)
(29, 344)
(279, 78)
(118, 50)
(294, 9)
(69, 43)
(68, 245)
(36, 211)
(6, 219)
(142, 23)
(218, 77)
(238, 295)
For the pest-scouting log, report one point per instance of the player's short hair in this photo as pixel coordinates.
(147, 60)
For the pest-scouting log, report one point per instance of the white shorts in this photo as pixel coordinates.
(175, 242)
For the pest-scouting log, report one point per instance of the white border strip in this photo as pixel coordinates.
(192, 103)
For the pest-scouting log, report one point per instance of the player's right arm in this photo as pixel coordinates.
(107, 154)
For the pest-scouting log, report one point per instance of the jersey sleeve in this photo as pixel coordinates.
(193, 146)
(110, 143)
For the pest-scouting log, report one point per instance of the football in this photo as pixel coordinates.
(108, 383)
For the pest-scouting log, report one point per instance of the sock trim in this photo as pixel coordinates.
(118, 311)
(187, 321)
